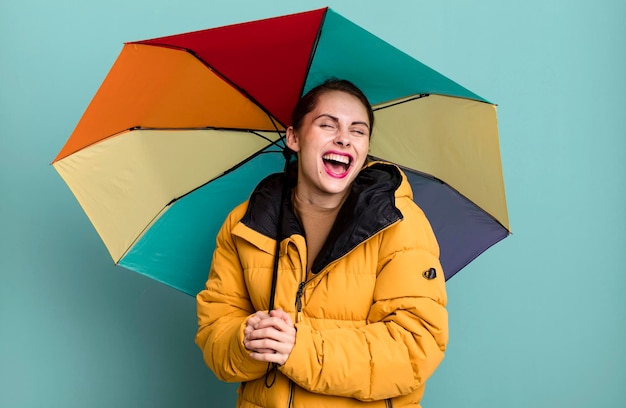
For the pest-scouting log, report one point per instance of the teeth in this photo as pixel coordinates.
(337, 158)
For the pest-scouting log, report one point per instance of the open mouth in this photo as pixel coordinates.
(337, 164)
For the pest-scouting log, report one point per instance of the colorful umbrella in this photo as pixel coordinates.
(183, 127)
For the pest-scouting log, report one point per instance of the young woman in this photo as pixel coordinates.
(359, 316)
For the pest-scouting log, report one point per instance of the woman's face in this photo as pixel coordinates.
(332, 145)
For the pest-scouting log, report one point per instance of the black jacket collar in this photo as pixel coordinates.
(368, 209)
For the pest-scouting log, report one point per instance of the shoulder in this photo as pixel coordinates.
(233, 218)
(237, 213)
(414, 230)
(415, 226)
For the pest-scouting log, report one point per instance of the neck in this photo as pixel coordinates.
(326, 201)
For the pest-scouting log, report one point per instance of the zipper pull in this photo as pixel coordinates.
(299, 294)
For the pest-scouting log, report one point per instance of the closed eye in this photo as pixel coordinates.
(359, 131)
(327, 125)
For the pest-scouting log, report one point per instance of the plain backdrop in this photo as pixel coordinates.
(539, 320)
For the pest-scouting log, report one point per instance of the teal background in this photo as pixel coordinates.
(539, 320)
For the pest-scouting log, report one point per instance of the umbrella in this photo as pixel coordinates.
(183, 127)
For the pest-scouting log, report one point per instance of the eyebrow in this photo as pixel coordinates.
(336, 119)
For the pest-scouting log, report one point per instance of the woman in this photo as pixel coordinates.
(359, 317)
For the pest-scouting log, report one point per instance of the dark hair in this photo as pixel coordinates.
(307, 103)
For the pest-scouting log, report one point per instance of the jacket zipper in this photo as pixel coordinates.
(300, 291)
(299, 304)
(299, 294)
(306, 280)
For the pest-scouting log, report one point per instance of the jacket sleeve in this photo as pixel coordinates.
(407, 331)
(223, 308)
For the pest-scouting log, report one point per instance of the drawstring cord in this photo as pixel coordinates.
(270, 373)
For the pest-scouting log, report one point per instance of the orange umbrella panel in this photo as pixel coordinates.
(154, 87)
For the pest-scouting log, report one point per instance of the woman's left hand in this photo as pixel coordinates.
(270, 337)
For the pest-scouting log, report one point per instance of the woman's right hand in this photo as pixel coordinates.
(270, 336)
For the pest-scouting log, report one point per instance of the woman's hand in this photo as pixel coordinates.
(250, 327)
(270, 336)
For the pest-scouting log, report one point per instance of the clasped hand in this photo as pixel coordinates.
(270, 336)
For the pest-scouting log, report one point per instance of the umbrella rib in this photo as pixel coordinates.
(430, 176)
(236, 166)
(168, 205)
(228, 129)
(313, 51)
(216, 71)
(400, 102)
(136, 128)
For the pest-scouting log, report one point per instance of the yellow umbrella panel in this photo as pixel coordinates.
(452, 139)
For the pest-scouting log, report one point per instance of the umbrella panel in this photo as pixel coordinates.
(455, 221)
(163, 88)
(177, 248)
(383, 72)
(124, 182)
(265, 59)
(452, 139)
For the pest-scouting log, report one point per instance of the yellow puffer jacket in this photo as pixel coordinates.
(371, 319)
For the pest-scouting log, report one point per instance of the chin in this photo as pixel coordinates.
(339, 186)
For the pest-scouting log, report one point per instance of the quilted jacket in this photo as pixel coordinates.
(370, 316)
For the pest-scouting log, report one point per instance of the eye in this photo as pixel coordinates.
(360, 131)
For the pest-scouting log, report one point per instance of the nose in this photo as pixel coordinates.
(342, 138)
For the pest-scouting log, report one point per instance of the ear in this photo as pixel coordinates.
(293, 142)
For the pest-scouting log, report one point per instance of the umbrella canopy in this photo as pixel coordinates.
(183, 127)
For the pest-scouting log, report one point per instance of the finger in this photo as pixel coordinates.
(261, 350)
(252, 322)
(277, 358)
(273, 339)
(269, 333)
(282, 346)
(262, 345)
(261, 314)
(258, 316)
(275, 322)
(287, 336)
(284, 316)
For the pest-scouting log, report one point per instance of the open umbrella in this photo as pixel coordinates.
(184, 126)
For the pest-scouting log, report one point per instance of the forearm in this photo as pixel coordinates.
(223, 308)
(222, 347)
(380, 360)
